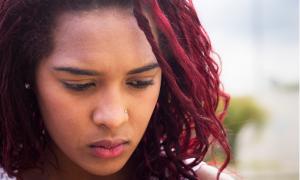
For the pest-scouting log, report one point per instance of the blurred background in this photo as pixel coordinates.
(257, 41)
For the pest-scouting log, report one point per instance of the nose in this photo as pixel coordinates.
(110, 112)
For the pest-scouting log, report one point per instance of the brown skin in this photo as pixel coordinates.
(110, 43)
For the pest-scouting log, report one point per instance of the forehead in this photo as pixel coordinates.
(107, 32)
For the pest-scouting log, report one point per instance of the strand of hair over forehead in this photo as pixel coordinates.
(198, 99)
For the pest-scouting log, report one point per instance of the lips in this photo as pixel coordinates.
(105, 149)
(109, 144)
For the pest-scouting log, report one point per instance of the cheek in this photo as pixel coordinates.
(143, 108)
(58, 112)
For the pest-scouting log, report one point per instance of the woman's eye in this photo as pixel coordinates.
(78, 86)
(140, 84)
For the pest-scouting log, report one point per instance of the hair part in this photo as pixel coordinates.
(181, 124)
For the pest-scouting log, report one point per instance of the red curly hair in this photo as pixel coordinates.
(181, 125)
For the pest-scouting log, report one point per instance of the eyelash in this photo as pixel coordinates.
(78, 87)
(81, 87)
(140, 84)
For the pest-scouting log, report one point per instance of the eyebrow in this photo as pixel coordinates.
(143, 69)
(78, 71)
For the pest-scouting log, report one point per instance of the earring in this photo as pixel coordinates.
(125, 111)
(27, 85)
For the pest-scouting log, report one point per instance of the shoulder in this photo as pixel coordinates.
(207, 172)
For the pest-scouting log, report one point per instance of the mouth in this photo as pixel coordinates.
(109, 144)
(108, 148)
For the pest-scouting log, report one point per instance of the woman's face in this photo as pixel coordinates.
(97, 89)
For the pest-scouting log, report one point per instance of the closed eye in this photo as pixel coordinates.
(140, 84)
(78, 86)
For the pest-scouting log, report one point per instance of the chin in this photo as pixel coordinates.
(105, 169)
(107, 172)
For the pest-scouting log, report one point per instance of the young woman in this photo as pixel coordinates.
(107, 89)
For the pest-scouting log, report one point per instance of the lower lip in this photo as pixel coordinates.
(108, 153)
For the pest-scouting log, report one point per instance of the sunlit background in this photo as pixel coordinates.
(258, 44)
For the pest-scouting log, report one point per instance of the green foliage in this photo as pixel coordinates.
(241, 111)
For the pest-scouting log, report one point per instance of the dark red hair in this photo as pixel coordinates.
(184, 120)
